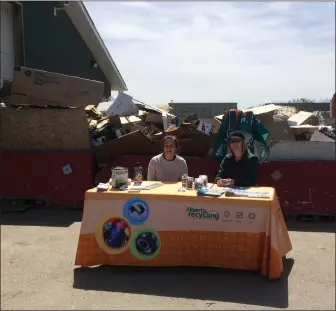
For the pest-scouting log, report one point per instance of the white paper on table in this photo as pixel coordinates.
(145, 186)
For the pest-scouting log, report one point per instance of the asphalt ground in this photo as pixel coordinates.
(37, 272)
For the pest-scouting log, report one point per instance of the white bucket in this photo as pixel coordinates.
(119, 177)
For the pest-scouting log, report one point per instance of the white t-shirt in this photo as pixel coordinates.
(159, 169)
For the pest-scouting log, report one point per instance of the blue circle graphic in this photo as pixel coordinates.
(136, 211)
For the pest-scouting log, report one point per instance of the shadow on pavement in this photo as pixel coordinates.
(319, 225)
(41, 217)
(189, 282)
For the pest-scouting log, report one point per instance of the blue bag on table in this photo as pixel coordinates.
(255, 134)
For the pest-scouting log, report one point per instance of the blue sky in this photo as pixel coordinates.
(246, 52)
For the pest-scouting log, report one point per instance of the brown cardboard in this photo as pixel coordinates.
(132, 143)
(193, 146)
(137, 143)
(279, 130)
(135, 127)
(115, 120)
(92, 112)
(265, 118)
(127, 122)
(197, 146)
(185, 131)
(302, 129)
(49, 88)
(302, 118)
(153, 118)
(20, 100)
(216, 124)
(155, 128)
(43, 129)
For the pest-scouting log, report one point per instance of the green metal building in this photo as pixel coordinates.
(55, 36)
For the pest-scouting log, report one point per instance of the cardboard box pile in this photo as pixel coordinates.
(142, 133)
(45, 111)
(51, 111)
(297, 135)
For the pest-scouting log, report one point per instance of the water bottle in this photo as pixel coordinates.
(138, 173)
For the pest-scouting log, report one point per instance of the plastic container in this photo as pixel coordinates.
(198, 183)
(119, 177)
(204, 178)
(190, 183)
(184, 181)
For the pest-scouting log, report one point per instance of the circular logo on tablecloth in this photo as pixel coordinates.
(114, 235)
(145, 244)
(251, 216)
(136, 211)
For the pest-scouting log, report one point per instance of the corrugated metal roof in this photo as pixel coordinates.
(83, 23)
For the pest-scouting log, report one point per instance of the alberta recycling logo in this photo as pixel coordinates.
(201, 213)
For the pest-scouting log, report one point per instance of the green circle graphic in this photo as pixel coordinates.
(132, 247)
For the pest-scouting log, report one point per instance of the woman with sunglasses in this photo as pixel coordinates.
(239, 167)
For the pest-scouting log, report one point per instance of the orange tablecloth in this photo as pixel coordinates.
(164, 227)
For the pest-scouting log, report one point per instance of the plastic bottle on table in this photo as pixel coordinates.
(138, 173)
(184, 180)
